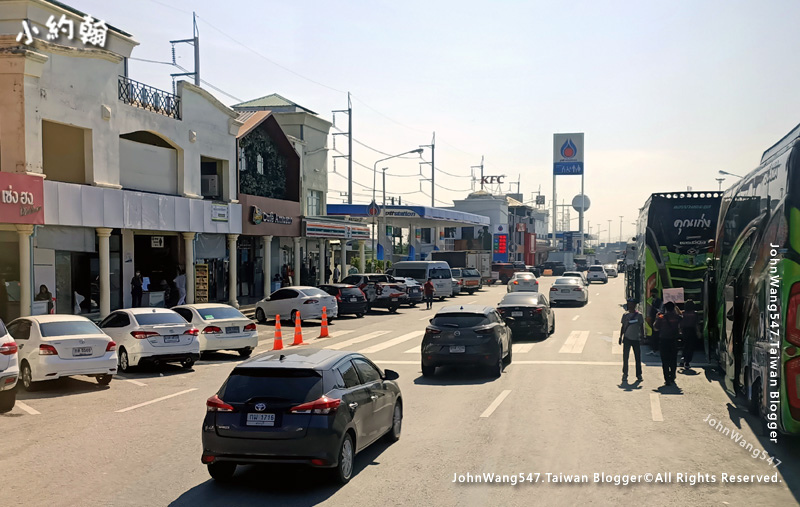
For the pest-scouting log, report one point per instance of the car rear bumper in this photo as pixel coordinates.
(387, 302)
(316, 313)
(8, 379)
(53, 367)
(318, 444)
(528, 326)
(438, 355)
(213, 343)
(567, 299)
(352, 308)
(175, 357)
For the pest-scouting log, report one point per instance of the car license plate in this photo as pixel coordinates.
(565, 291)
(353, 299)
(232, 330)
(81, 351)
(516, 314)
(172, 339)
(457, 349)
(394, 299)
(261, 419)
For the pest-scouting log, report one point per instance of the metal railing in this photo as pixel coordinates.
(146, 97)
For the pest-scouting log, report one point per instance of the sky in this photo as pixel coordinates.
(667, 93)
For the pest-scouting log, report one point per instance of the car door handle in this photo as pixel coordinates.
(353, 406)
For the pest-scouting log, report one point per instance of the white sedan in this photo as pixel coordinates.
(222, 327)
(568, 290)
(154, 335)
(9, 370)
(523, 282)
(55, 346)
(291, 301)
(597, 273)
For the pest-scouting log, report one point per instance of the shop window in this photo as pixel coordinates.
(65, 152)
(212, 179)
(425, 236)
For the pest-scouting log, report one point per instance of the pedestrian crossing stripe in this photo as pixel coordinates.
(521, 348)
(358, 339)
(575, 342)
(392, 342)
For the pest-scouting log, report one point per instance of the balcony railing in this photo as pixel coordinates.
(146, 97)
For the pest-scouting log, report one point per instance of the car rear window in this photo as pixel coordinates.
(69, 328)
(455, 271)
(520, 299)
(352, 280)
(595, 268)
(153, 319)
(220, 312)
(293, 385)
(523, 275)
(470, 272)
(313, 291)
(351, 291)
(460, 320)
(566, 281)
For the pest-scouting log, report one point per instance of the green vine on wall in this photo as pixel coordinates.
(272, 183)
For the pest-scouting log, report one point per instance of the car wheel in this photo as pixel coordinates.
(104, 380)
(260, 317)
(553, 327)
(428, 370)
(293, 317)
(7, 400)
(245, 352)
(393, 309)
(124, 362)
(497, 368)
(441, 298)
(471, 292)
(412, 305)
(755, 403)
(360, 315)
(221, 472)
(344, 469)
(397, 422)
(26, 377)
(187, 363)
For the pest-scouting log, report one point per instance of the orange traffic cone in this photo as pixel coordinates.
(278, 336)
(298, 331)
(323, 331)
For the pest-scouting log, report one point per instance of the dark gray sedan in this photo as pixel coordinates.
(309, 406)
(527, 314)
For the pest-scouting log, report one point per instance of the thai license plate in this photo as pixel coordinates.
(232, 329)
(261, 419)
(353, 299)
(81, 351)
(516, 314)
(472, 282)
(565, 291)
(172, 339)
(394, 299)
(457, 349)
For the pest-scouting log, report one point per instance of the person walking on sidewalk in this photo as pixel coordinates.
(630, 337)
(668, 327)
(690, 329)
(428, 289)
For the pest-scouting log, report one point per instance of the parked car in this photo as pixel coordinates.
(504, 270)
(382, 290)
(597, 273)
(528, 314)
(55, 346)
(152, 335)
(468, 334)
(313, 406)
(557, 268)
(456, 286)
(350, 300)
(413, 289)
(222, 327)
(289, 302)
(535, 270)
(568, 289)
(470, 279)
(9, 369)
(611, 270)
(577, 274)
(523, 282)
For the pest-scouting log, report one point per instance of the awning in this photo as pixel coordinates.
(405, 216)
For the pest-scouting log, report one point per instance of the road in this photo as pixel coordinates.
(559, 408)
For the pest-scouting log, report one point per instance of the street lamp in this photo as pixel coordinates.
(609, 232)
(726, 173)
(720, 180)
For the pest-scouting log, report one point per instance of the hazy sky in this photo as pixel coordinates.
(666, 92)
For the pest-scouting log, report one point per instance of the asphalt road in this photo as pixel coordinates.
(559, 408)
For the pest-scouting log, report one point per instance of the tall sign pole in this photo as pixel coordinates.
(568, 160)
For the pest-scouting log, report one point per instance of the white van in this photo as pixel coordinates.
(437, 271)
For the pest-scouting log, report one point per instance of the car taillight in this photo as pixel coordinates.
(579, 289)
(433, 330)
(322, 406)
(311, 301)
(537, 310)
(515, 282)
(553, 289)
(338, 298)
(47, 350)
(501, 311)
(250, 327)
(363, 294)
(484, 331)
(194, 331)
(793, 316)
(141, 335)
(111, 347)
(8, 349)
(215, 404)
(212, 330)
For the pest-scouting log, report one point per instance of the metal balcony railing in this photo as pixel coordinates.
(146, 97)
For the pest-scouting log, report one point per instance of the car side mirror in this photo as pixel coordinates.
(390, 375)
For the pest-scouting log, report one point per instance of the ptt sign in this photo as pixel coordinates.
(489, 180)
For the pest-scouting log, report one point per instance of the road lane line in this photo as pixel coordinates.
(415, 350)
(358, 339)
(425, 318)
(655, 407)
(521, 348)
(496, 403)
(135, 382)
(156, 400)
(581, 343)
(571, 339)
(27, 409)
(392, 342)
(575, 317)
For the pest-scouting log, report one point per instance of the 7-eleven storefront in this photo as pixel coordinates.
(326, 232)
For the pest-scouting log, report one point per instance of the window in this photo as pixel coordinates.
(183, 312)
(283, 294)
(425, 236)
(417, 274)
(116, 320)
(68, 328)
(213, 313)
(313, 291)
(348, 373)
(20, 330)
(259, 164)
(366, 371)
(293, 385)
(460, 320)
(151, 319)
(242, 161)
(314, 203)
(439, 274)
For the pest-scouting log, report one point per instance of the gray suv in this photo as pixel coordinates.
(311, 406)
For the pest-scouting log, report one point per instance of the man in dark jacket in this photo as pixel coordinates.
(630, 337)
(136, 290)
(668, 327)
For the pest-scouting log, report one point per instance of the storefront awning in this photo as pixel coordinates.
(406, 216)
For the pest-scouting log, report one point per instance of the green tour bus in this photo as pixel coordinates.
(754, 320)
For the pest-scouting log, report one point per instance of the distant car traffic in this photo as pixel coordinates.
(311, 406)
(611, 270)
(468, 334)
(577, 274)
(382, 290)
(222, 327)
(289, 302)
(527, 314)
(9, 369)
(470, 279)
(55, 346)
(535, 270)
(556, 268)
(568, 290)
(597, 274)
(350, 300)
(152, 335)
(523, 282)
(456, 286)
(504, 270)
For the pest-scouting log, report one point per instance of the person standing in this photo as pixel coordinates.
(336, 274)
(45, 295)
(428, 290)
(180, 283)
(668, 327)
(690, 329)
(652, 314)
(630, 337)
(136, 289)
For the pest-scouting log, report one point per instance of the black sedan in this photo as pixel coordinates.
(528, 314)
(350, 299)
(310, 406)
(468, 334)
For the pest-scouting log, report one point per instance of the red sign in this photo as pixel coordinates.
(521, 228)
(21, 199)
(500, 241)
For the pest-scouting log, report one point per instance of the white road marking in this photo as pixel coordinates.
(575, 317)
(521, 348)
(156, 400)
(655, 407)
(353, 341)
(592, 363)
(575, 342)
(27, 409)
(496, 403)
(415, 350)
(392, 342)
(135, 382)
(425, 318)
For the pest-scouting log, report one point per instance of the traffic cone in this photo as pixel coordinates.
(278, 336)
(323, 331)
(298, 331)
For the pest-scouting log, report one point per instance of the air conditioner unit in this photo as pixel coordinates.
(209, 185)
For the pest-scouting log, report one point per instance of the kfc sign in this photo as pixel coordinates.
(21, 199)
(489, 180)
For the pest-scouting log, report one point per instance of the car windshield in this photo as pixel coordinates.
(219, 313)
(459, 320)
(156, 318)
(291, 385)
(566, 281)
(69, 328)
(456, 272)
(439, 273)
(517, 298)
(595, 268)
(417, 274)
(470, 272)
(313, 291)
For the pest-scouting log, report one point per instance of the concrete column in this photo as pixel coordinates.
(267, 265)
(362, 256)
(25, 267)
(343, 258)
(296, 279)
(233, 275)
(188, 247)
(103, 234)
(321, 261)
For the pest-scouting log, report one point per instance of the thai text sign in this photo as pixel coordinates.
(21, 199)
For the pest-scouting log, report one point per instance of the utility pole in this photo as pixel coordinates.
(481, 167)
(194, 41)
(382, 229)
(432, 146)
(349, 134)
(609, 232)
(620, 228)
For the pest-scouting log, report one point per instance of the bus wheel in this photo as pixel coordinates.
(755, 400)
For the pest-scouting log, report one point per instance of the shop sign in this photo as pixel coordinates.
(258, 217)
(156, 241)
(201, 283)
(219, 212)
(21, 199)
(405, 213)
